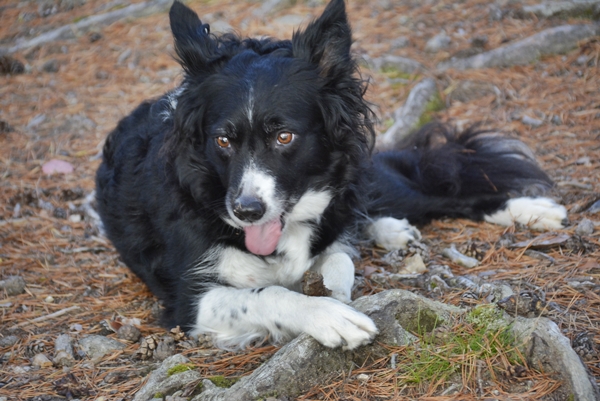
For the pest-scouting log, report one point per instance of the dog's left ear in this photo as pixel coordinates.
(326, 41)
(193, 43)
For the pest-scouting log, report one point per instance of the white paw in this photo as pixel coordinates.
(537, 213)
(393, 234)
(333, 323)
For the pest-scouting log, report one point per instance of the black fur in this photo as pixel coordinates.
(162, 188)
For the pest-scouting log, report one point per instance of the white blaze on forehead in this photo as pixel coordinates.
(250, 105)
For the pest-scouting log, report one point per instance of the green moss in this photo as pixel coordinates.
(222, 381)
(445, 353)
(159, 395)
(394, 73)
(433, 106)
(180, 368)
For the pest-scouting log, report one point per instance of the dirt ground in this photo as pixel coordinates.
(73, 92)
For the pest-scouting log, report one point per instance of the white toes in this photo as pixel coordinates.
(392, 234)
(334, 324)
(537, 213)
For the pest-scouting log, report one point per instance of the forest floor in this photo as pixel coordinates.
(74, 91)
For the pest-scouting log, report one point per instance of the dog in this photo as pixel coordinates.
(259, 167)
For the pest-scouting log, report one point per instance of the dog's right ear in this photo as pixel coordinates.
(193, 43)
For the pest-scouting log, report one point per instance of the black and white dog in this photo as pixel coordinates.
(221, 194)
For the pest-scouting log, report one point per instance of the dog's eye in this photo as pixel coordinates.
(223, 142)
(284, 138)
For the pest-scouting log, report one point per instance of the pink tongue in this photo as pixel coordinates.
(262, 239)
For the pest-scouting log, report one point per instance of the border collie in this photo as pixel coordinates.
(221, 194)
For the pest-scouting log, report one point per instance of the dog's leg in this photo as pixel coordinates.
(537, 213)
(391, 233)
(238, 317)
(338, 274)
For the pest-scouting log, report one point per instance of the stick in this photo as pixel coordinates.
(71, 30)
(46, 317)
(556, 40)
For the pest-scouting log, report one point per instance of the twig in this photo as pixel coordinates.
(71, 30)
(46, 317)
(556, 40)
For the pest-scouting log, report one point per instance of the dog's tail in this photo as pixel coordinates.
(437, 173)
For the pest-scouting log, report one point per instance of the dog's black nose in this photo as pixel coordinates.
(247, 208)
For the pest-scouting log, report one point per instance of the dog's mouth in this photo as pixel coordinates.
(262, 239)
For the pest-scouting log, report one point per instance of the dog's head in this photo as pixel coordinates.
(276, 129)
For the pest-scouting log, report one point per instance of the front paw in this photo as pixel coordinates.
(335, 324)
(393, 234)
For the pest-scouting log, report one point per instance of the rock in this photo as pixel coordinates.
(400, 42)
(402, 64)
(129, 332)
(458, 258)
(159, 381)
(549, 351)
(95, 347)
(63, 351)
(165, 348)
(51, 65)
(8, 341)
(555, 40)
(271, 6)
(594, 208)
(439, 42)
(220, 26)
(585, 227)
(94, 36)
(413, 265)
(13, 285)
(408, 117)
(10, 65)
(304, 363)
(292, 20)
(41, 361)
(62, 358)
(533, 122)
(466, 91)
(562, 9)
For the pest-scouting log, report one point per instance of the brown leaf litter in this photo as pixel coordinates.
(75, 281)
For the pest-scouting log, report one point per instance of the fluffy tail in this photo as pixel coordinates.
(439, 173)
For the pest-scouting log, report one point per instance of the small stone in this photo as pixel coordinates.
(9, 65)
(165, 348)
(362, 377)
(13, 285)
(438, 42)
(51, 66)
(586, 161)
(75, 218)
(95, 347)
(400, 42)
(62, 359)
(413, 265)
(102, 75)
(533, 122)
(595, 208)
(8, 341)
(124, 56)
(49, 299)
(556, 120)
(585, 227)
(59, 213)
(94, 37)
(129, 332)
(41, 361)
